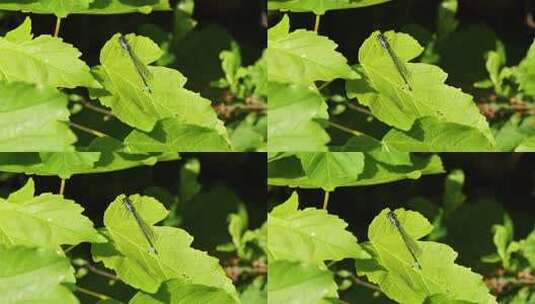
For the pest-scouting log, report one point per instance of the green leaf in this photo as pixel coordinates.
(172, 135)
(34, 275)
(453, 195)
(62, 8)
(25, 193)
(527, 248)
(32, 119)
(47, 220)
(126, 95)
(302, 57)
(439, 275)
(328, 170)
(503, 240)
(446, 22)
(432, 135)
(67, 164)
(127, 251)
(385, 93)
(525, 74)
(526, 145)
(97, 6)
(294, 282)
(514, 132)
(292, 111)
(178, 291)
(319, 7)
(288, 171)
(307, 235)
(44, 60)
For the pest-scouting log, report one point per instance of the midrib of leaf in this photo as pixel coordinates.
(418, 106)
(420, 274)
(133, 86)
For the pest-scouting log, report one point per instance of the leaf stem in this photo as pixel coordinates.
(58, 25)
(88, 130)
(317, 23)
(345, 129)
(326, 200)
(62, 187)
(93, 293)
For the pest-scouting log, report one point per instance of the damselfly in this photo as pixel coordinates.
(411, 245)
(141, 69)
(400, 67)
(147, 231)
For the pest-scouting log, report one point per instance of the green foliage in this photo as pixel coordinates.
(328, 170)
(319, 7)
(67, 164)
(44, 60)
(468, 110)
(49, 220)
(108, 105)
(63, 7)
(456, 238)
(42, 259)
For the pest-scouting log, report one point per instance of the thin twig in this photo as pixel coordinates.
(88, 130)
(93, 293)
(345, 129)
(358, 109)
(91, 106)
(365, 284)
(326, 200)
(101, 272)
(323, 85)
(58, 25)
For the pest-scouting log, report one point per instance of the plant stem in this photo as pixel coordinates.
(326, 200)
(62, 187)
(358, 109)
(88, 130)
(93, 293)
(317, 23)
(323, 85)
(90, 106)
(101, 272)
(58, 25)
(365, 284)
(345, 129)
